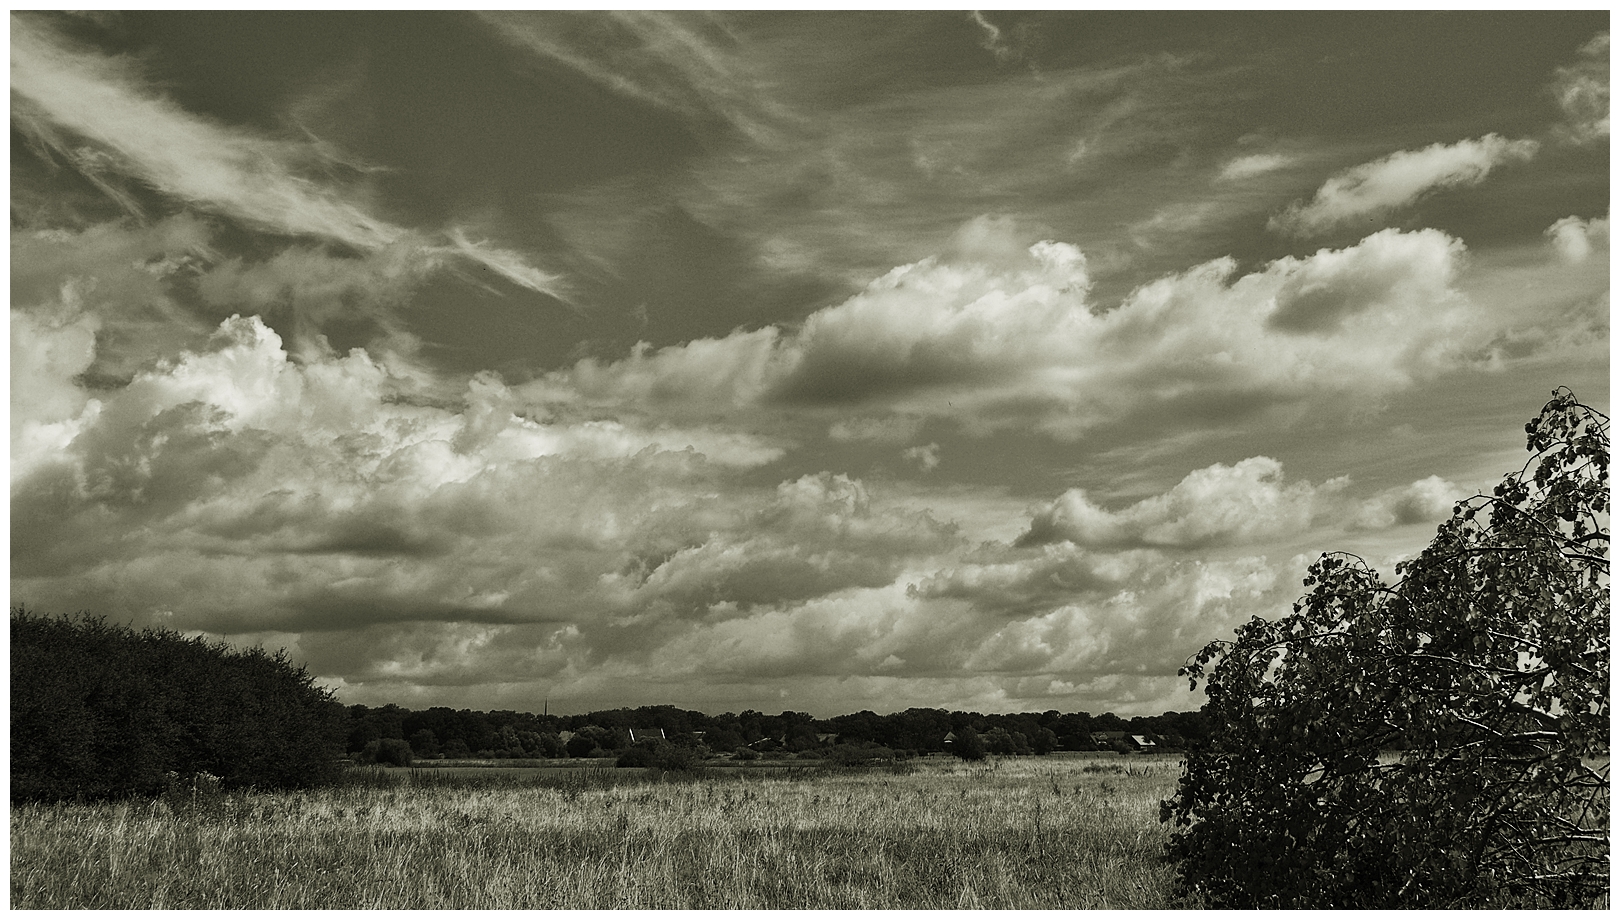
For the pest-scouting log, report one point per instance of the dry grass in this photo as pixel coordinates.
(1017, 833)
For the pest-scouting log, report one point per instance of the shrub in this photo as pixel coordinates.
(390, 752)
(1487, 663)
(101, 711)
(635, 757)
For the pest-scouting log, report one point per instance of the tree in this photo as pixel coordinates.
(390, 752)
(968, 745)
(1486, 663)
(105, 711)
(424, 743)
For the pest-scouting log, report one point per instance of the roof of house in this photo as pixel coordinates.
(638, 735)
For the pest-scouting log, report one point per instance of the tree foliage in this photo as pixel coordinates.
(103, 711)
(968, 745)
(1486, 664)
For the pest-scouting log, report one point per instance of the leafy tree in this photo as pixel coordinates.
(968, 745)
(424, 743)
(393, 752)
(105, 711)
(1043, 741)
(1486, 662)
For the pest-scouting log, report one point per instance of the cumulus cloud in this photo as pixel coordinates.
(1574, 239)
(47, 353)
(926, 456)
(1373, 190)
(1582, 91)
(996, 334)
(959, 624)
(395, 544)
(1216, 505)
(1427, 501)
(100, 115)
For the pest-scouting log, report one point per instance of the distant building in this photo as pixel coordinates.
(640, 735)
(1134, 742)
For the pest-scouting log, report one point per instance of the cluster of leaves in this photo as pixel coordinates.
(1486, 665)
(103, 711)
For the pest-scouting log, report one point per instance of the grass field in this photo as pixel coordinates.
(1031, 833)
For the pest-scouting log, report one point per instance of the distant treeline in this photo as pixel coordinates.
(441, 731)
(106, 711)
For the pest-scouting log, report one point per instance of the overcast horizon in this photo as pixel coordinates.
(814, 361)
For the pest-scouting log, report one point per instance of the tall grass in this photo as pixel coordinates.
(1019, 833)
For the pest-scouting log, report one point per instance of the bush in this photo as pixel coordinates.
(390, 752)
(745, 753)
(100, 711)
(1487, 664)
(635, 757)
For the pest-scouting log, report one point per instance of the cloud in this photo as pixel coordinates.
(1426, 501)
(925, 456)
(1574, 239)
(685, 63)
(1582, 91)
(1007, 46)
(1247, 167)
(1217, 505)
(395, 544)
(995, 333)
(881, 429)
(100, 115)
(1372, 190)
(47, 354)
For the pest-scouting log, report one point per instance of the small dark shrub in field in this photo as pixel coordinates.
(390, 752)
(668, 757)
(635, 757)
(101, 711)
(745, 754)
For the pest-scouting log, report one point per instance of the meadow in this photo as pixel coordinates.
(935, 833)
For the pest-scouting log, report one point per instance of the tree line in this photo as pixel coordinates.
(102, 711)
(453, 733)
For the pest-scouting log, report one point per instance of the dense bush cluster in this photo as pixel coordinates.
(1486, 664)
(105, 711)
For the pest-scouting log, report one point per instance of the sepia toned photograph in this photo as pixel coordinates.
(809, 460)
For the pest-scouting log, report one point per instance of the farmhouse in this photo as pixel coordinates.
(641, 735)
(1134, 742)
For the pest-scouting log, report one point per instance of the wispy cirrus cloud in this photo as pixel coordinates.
(684, 63)
(102, 116)
(1256, 164)
(1373, 190)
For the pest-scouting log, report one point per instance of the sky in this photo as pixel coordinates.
(781, 361)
